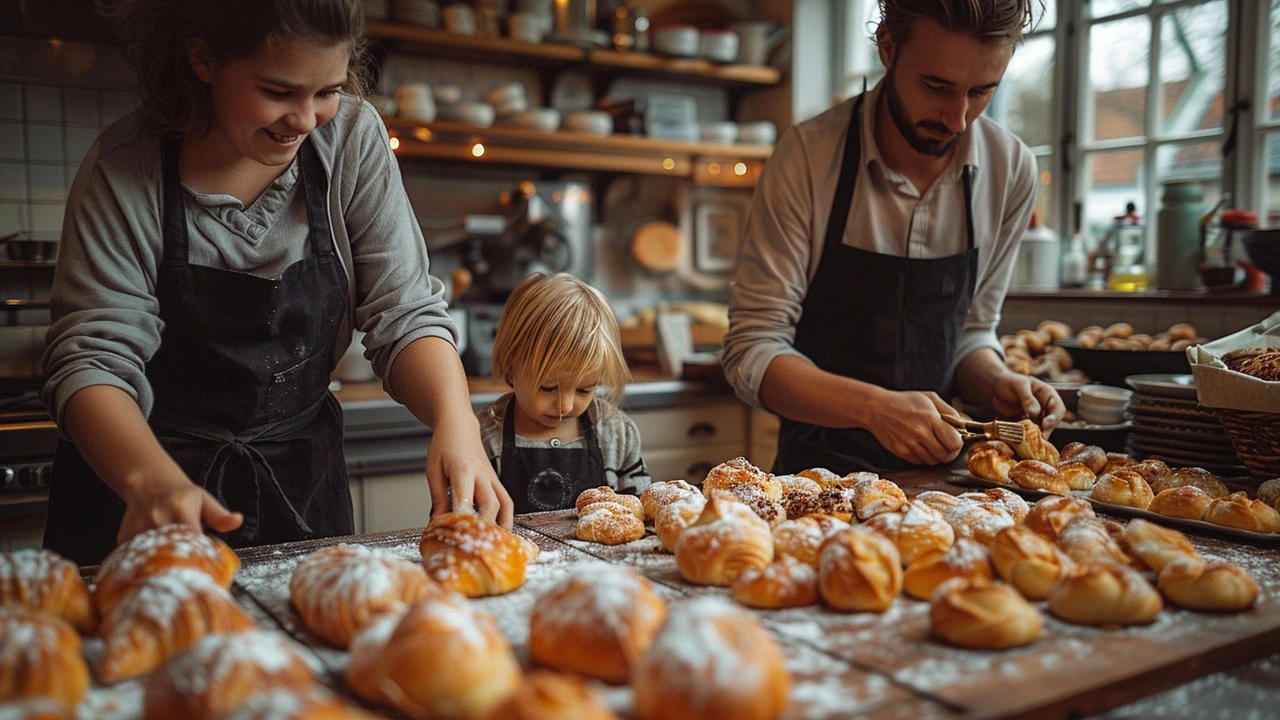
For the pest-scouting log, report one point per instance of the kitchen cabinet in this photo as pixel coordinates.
(763, 433)
(685, 442)
(391, 502)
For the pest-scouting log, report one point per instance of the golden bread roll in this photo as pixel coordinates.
(163, 616)
(1123, 487)
(1055, 329)
(981, 613)
(991, 460)
(1027, 560)
(1077, 475)
(1086, 540)
(1115, 461)
(1187, 501)
(1155, 472)
(662, 493)
(608, 523)
(800, 538)
(785, 582)
(877, 495)
(836, 501)
(604, 493)
(859, 571)
(711, 661)
(1010, 502)
(725, 540)
(1039, 475)
(916, 530)
(966, 559)
(444, 658)
(473, 556)
(1051, 514)
(1269, 492)
(1094, 457)
(1035, 341)
(222, 671)
(675, 517)
(854, 478)
(1034, 445)
(44, 580)
(40, 657)
(937, 500)
(740, 472)
(771, 511)
(311, 703)
(338, 589)
(1198, 477)
(799, 495)
(1238, 511)
(155, 551)
(597, 622)
(1104, 594)
(1156, 545)
(977, 521)
(1183, 331)
(1118, 330)
(546, 695)
(800, 483)
(822, 476)
(1199, 585)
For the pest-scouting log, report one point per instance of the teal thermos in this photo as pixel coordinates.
(1178, 235)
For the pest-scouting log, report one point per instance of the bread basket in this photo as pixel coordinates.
(1248, 406)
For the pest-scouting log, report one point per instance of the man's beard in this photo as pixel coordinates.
(922, 145)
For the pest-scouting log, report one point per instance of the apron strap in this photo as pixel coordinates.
(967, 176)
(174, 224)
(849, 168)
(312, 174)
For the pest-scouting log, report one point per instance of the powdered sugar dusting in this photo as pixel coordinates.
(212, 659)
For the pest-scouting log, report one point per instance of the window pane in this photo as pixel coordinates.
(1049, 19)
(1199, 161)
(1118, 56)
(1115, 177)
(1024, 100)
(1273, 80)
(1271, 181)
(1103, 8)
(1192, 67)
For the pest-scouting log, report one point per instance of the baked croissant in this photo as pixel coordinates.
(1027, 560)
(660, 494)
(444, 658)
(1269, 492)
(740, 472)
(1188, 502)
(1115, 461)
(982, 613)
(725, 540)
(40, 658)
(310, 703)
(859, 571)
(1077, 475)
(1157, 546)
(964, 559)
(711, 661)
(799, 496)
(675, 517)
(604, 493)
(1155, 472)
(938, 500)
(916, 530)
(1199, 585)
(474, 556)
(835, 500)
(1196, 477)
(597, 622)
(338, 589)
(608, 523)
(546, 695)
(977, 521)
(991, 460)
(801, 538)
(820, 475)
(157, 550)
(1006, 500)
(222, 671)
(785, 582)
(1091, 456)
(1050, 515)
(1238, 511)
(877, 495)
(1086, 540)
(44, 580)
(1038, 475)
(1034, 445)
(163, 616)
(1104, 594)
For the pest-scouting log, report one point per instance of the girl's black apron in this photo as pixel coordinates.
(540, 478)
(241, 391)
(887, 320)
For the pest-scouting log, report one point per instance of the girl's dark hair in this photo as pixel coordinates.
(989, 21)
(156, 34)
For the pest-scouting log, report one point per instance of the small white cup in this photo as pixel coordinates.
(460, 19)
(416, 102)
(525, 27)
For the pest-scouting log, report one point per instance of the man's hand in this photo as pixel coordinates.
(1014, 394)
(173, 500)
(458, 469)
(910, 425)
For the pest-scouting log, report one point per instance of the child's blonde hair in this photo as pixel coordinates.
(556, 325)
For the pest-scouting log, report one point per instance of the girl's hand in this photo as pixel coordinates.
(174, 500)
(458, 468)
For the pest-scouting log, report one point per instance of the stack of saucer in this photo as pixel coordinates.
(1170, 424)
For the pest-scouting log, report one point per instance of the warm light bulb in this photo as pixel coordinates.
(422, 134)
(477, 150)
(668, 164)
(395, 143)
(740, 169)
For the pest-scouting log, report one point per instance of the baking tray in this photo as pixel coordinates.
(1111, 367)
(967, 479)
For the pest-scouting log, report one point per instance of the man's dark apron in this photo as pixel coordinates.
(241, 391)
(890, 321)
(540, 478)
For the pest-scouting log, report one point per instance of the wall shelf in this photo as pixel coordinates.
(705, 163)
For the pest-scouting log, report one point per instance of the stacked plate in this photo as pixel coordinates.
(1169, 424)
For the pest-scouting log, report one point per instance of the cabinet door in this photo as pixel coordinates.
(395, 502)
(357, 503)
(764, 438)
(717, 423)
(689, 464)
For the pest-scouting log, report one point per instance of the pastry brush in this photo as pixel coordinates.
(1003, 430)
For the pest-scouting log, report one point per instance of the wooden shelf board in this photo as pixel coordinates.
(691, 68)
(544, 157)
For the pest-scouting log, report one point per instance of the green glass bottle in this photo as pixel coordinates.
(1178, 235)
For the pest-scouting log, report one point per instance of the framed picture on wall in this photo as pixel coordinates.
(718, 224)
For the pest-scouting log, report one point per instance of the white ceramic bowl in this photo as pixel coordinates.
(544, 119)
(718, 45)
(595, 122)
(677, 41)
(757, 133)
(507, 93)
(725, 133)
(1102, 404)
(478, 114)
(511, 107)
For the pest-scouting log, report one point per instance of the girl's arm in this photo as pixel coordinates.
(427, 377)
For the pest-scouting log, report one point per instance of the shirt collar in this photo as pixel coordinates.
(968, 150)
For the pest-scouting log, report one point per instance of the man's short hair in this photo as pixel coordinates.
(990, 21)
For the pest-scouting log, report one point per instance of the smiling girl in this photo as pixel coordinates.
(560, 432)
(219, 246)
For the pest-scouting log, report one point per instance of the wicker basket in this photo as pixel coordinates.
(1256, 436)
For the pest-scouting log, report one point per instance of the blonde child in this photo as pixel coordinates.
(560, 431)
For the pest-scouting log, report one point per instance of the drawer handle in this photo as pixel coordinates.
(699, 470)
(702, 429)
